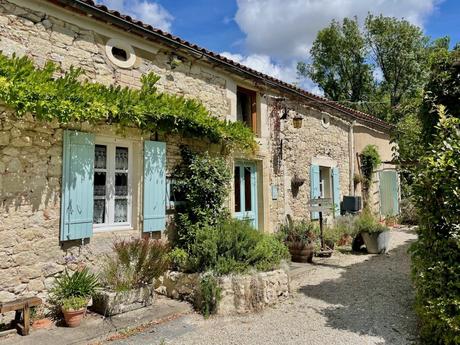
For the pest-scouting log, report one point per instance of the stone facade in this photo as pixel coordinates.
(31, 253)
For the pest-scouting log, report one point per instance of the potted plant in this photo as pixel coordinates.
(72, 292)
(376, 236)
(299, 238)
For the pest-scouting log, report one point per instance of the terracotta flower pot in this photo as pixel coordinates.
(73, 317)
(301, 252)
(42, 324)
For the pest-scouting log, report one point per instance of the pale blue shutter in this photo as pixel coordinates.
(315, 192)
(154, 186)
(336, 186)
(77, 186)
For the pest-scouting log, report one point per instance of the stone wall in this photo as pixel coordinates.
(30, 177)
(240, 293)
(300, 147)
(77, 41)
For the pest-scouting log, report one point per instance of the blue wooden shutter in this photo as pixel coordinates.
(77, 186)
(154, 186)
(336, 191)
(314, 187)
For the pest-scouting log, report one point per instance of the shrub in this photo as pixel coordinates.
(204, 181)
(134, 263)
(436, 253)
(82, 284)
(408, 214)
(209, 295)
(179, 259)
(366, 222)
(74, 303)
(298, 231)
(234, 246)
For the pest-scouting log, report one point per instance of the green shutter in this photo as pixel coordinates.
(389, 193)
(77, 186)
(314, 187)
(154, 186)
(336, 191)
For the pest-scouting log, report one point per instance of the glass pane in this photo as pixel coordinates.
(121, 210)
(121, 158)
(237, 189)
(99, 183)
(243, 108)
(247, 189)
(121, 184)
(100, 157)
(99, 212)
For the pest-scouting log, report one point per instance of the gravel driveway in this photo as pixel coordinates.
(347, 299)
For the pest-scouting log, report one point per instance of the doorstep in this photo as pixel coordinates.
(95, 328)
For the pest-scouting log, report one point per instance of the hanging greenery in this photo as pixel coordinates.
(67, 98)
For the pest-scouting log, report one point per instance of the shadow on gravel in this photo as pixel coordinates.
(374, 297)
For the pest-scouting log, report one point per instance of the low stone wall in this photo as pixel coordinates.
(240, 293)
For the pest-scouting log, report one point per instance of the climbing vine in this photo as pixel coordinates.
(370, 160)
(68, 98)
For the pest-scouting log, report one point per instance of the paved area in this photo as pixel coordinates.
(345, 300)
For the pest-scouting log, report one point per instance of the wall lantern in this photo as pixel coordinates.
(297, 121)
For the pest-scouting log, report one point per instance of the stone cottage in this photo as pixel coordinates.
(307, 144)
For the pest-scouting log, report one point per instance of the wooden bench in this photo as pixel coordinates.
(23, 306)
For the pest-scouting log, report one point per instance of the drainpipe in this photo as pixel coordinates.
(351, 150)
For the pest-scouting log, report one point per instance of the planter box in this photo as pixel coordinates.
(376, 243)
(110, 303)
(240, 293)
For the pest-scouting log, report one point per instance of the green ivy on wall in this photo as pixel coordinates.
(69, 98)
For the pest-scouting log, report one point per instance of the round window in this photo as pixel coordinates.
(120, 53)
(325, 120)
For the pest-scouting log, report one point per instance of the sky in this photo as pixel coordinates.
(271, 36)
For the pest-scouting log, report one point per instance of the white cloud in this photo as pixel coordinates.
(263, 63)
(286, 29)
(144, 10)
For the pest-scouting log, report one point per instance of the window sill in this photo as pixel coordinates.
(112, 228)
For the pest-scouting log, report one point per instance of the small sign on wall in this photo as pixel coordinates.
(274, 192)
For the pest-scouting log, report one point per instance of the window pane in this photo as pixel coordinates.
(100, 157)
(121, 211)
(237, 189)
(121, 158)
(99, 183)
(247, 189)
(244, 112)
(99, 211)
(121, 184)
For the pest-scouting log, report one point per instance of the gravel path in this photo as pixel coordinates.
(347, 299)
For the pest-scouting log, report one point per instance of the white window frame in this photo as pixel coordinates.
(111, 144)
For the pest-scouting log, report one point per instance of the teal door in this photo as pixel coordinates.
(389, 193)
(245, 187)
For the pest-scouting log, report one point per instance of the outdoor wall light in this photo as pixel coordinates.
(297, 121)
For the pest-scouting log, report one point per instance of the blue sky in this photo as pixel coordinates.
(272, 35)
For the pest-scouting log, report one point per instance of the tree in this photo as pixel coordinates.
(339, 64)
(442, 88)
(378, 70)
(399, 50)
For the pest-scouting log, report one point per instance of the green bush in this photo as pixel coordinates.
(366, 222)
(209, 296)
(436, 253)
(74, 303)
(179, 259)
(298, 231)
(204, 181)
(408, 214)
(134, 263)
(83, 284)
(234, 246)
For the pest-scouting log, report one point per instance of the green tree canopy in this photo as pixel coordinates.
(378, 69)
